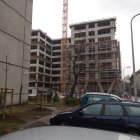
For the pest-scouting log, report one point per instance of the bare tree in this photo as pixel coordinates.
(76, 65)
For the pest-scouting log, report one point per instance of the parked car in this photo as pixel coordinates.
(121, 116)
(96, 96)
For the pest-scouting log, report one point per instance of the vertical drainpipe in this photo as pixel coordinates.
(21, 86)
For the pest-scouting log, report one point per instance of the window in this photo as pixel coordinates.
(34, 40)
(91, 25)
(82, 34)
(56, 66)
(34, 33)
(104, 31)
(41, 62)
(47, 71)
(33, 69)
(103, 23)
(56, 41)
(80, 27)
(56, 47)
(113, 110)
(33, 61)
(33, 47)
(41, 48)
(42, 35)
(33, 53)
(41, 55)
(133, 111)
(41, 41)
(55, 59)
(41, 70)
(56, 72)
(48, 52)
(91, 33)
(56, 53)
(48, 39)
(80, 41)
(94, 109)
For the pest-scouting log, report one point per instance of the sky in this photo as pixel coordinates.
(47, 16)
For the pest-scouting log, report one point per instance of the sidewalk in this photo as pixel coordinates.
(44, 121)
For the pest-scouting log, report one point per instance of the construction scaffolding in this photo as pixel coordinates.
(102, 71)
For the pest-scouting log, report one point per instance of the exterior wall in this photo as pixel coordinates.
(15, 30)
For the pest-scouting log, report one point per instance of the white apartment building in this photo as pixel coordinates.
(15, 34)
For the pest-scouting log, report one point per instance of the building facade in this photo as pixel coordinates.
(99, 52)
(15, 42)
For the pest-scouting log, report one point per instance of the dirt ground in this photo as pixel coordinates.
(27, 116)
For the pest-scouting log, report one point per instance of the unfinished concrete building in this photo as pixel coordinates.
(99, 52)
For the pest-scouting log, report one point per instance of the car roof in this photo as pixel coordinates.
(100, 93)
(117, 103)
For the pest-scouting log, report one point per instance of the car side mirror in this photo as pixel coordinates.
(81, 113)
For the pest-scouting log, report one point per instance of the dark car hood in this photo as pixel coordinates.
(65, 113)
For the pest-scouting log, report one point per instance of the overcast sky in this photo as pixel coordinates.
(47, 16)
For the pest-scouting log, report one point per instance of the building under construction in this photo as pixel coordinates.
(96, 51)
(94, 45)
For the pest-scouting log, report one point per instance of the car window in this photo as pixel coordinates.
(94, 109)
(113, 110)
(95, 98)
(133, 111)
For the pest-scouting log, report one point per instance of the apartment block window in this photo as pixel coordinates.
(103, 23)
(41, 55)
(33, 53)
(41, 48)
(105, 56)
(91, 57)
(80, 27)
(48, 58)
(40, 84)
(40, 77)
(56, 41)
(104, 31)
(32, 69)
(56, 47)
(92, 40)
(91, 33)
(80, 41)
(34, 33)
(55, 65)
(91, 66)
(32, 76)
(47, 71)
(33, 47)
(69, 40)
(91, 75)
(48, 46)
(31, 84)
(55, 79)
(47, 78)
(42, 42)
(41, 62)
(48, 40)
(56, 53)
(91, 25)
(55, 59)
(33, 61)
(56, 72)
(82, 34)
(107, 65)
(91, 49)
(48, 52)
(34, 40)
(41, 70)
(102, 39)
(47, 65)
(42, 35)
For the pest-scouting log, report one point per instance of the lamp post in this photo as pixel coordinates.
(133, 58)
(124, 75)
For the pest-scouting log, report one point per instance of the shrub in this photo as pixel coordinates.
(71, 101)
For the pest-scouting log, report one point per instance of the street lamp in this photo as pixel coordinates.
(124, 76)
(133, 59)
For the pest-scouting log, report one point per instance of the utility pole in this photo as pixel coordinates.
(5, 94)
